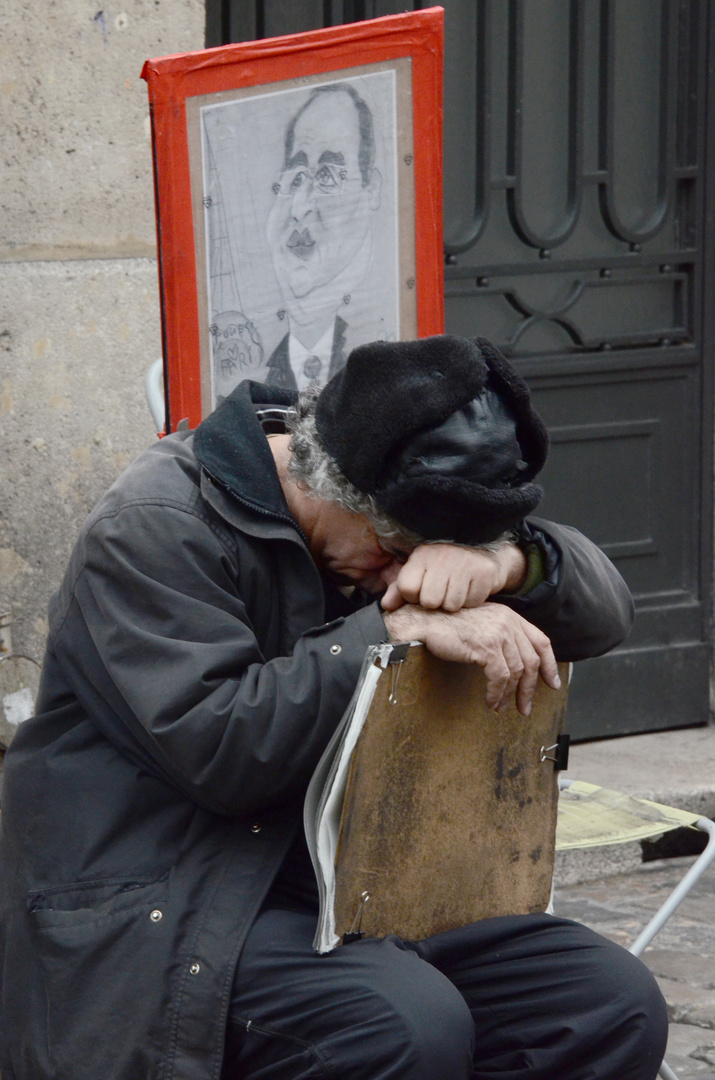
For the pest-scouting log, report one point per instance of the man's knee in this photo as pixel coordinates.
(414, 1019)
(637, 1033)
(369, 1010)
(551, 996)
(618, 1017)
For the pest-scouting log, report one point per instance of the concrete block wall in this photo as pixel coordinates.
(79, 302)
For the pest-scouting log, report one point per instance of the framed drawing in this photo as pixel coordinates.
(299, 203)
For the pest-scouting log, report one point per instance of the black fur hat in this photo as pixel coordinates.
(440, 431)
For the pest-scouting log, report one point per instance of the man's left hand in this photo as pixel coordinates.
(448, 577)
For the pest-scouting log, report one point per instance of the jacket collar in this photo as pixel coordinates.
(231, 444)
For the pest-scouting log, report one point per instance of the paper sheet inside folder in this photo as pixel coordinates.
(442, 810)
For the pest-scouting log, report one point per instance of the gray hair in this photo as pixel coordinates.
(314, 469)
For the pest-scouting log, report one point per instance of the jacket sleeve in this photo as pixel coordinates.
(156, 642)
(584, 605)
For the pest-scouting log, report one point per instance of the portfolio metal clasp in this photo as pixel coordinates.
(397, 658)
(355, 933)
(558, 753)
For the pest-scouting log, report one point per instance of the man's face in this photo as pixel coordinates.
(321, 211)
(345, 546)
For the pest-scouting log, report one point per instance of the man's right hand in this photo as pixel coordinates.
(512, 651)
(450, 577)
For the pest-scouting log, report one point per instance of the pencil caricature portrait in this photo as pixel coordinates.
(300, 228)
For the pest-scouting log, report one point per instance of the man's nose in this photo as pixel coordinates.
(303, 200)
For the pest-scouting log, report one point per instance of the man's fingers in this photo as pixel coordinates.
(539, 661)
(504, 652)
(477, 593)
(448, 577)
(526, 687)
(498, 674)
(520, 658)
(512, 651)
(392, 598)
(422, 583)
(513, 658)
(456, 595)
(409, 580)
(549, 669)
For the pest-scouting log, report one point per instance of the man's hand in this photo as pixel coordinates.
(512, 651)
(448, 577)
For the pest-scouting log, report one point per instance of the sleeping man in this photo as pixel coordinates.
(157, 899)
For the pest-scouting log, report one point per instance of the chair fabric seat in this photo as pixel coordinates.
(593, 816)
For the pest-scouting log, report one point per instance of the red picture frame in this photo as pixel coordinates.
(204, 106)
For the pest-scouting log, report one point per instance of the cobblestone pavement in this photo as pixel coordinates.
(682, 955)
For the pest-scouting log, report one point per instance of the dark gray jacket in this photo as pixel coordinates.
(189, 688)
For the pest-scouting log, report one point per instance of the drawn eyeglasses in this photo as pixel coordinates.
(325, 180)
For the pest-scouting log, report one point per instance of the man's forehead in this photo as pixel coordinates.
(330, 123)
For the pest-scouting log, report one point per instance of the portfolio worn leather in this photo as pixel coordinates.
(450, 808)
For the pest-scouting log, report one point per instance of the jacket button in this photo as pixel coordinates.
(155, 915)
(195, 968)
(255, 828)
(335, 649)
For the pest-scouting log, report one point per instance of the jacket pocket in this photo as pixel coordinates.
(91, 901)
(104, 950)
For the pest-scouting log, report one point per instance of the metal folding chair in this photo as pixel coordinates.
(592, 816)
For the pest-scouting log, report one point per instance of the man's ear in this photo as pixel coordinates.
(375, 189)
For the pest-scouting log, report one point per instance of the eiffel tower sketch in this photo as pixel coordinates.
(235, 344)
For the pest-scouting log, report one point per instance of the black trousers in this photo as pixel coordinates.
(524, 996)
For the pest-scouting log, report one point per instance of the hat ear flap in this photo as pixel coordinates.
(451, 508)
(511, 388)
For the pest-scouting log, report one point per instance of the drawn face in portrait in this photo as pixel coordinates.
(319, 227)
(300, 229)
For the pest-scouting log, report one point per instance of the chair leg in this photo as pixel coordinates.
(681, 890)
(667, 909)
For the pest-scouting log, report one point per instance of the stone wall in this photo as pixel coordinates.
(79, 311)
